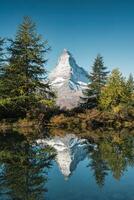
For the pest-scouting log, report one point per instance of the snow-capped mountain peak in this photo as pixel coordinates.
(68, 79)
(64, 59)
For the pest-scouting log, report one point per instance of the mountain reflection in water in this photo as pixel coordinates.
(70, 151)
(28, 170)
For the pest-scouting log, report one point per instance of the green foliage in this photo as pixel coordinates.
(1, 54)
(25, 89)
(97, 79)
(109, 150)
(24, 83)
(50, 103)
(25, 70)
(117, 92)
(99, 167)
(1, 62)
(24, 175)
(16, 107)
(130, 90)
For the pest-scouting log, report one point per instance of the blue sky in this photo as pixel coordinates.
(84, 27)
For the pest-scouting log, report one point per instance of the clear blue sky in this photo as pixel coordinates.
(84, 27)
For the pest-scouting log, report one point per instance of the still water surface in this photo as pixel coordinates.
(66, 168)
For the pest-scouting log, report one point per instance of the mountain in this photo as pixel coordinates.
(70, 151)
(68, 80)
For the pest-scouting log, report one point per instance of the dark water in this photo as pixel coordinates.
(66, 168)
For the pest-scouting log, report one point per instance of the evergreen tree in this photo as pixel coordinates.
(97, 79)
(130, 84)
(1, 63)
(25, 81)
(130, 90)
(26, 62)
(1, 52)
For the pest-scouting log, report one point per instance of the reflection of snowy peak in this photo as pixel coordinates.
(68, 79)
(70, 151)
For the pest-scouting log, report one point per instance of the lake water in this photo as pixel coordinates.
(66, 168)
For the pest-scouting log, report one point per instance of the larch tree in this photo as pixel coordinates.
(114, 93)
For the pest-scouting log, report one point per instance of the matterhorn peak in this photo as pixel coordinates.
(65, 51)
(68, 79)
(66, 60)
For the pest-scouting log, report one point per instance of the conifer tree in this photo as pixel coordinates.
(97, 79)
(26, 61)
(130, 90)
(1, 63)
(25, 77)
(130, 84)
(1, 52)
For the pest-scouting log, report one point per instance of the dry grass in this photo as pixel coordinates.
(91, 119)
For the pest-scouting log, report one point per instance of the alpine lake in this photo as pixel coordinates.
(66, 166)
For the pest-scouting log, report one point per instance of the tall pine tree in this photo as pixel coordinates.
(26, 61)
(130, 90)
(130, 84)
(25, 77)
(1, 63)
(97, 79)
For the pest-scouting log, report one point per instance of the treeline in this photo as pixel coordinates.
(25, 91)
(108, 91)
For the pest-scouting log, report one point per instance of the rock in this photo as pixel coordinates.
(68, 80)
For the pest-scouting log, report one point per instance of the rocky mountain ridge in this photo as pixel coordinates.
(68, 80)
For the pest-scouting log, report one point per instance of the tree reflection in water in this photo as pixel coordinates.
(24, 164)
(112, 155)
(23, 168)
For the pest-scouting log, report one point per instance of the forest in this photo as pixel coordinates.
(26, 96)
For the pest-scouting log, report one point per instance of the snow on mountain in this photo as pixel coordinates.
(70, 151)
(68, 80)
